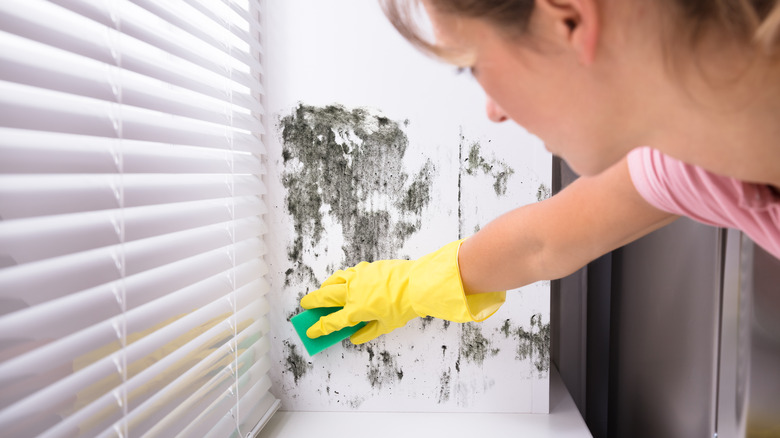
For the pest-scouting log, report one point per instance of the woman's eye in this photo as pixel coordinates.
(461, 70)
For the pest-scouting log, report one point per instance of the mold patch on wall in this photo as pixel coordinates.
(347, 183)
(344, 168)
(348, 165)
(382, 370)
(444, 386)
(498, 170)
(532, 343)
(543, 192)
(356, 190)
(295, 364)
(474, 346)
(476, 172)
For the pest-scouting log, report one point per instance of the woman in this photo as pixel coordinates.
(699, 80)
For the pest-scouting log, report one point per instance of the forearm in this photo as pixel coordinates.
(510, 252)
(555, 237)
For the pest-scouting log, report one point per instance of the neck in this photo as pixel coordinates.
(727, 123)
(744, 145)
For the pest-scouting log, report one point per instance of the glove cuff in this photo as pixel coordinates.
(436, 289)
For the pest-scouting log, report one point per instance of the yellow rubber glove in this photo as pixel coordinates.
(389, 293)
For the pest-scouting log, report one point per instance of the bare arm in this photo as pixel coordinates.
(557, 236)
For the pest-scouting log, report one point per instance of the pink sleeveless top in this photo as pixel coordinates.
(683, 189)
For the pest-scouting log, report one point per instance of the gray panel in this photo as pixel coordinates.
(733, 375)
(665, 330)
(749, 398)
(568, 313)
(568, 332)
(763, 409)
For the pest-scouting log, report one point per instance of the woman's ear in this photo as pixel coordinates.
(576, 23)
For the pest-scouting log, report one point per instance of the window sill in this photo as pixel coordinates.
(564, 420)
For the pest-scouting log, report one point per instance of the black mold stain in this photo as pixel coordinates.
(426, 321)
(297, 310)
(349, 164)
(384, 370)
(294, 362)
(533, 343)
(355, 402)
(381, 368)
(543, 192)
(418, 195)
(300, 273)
(474, 346)
(444, 386)
(506, 329)
(498, 170)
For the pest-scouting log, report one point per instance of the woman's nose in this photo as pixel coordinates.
(494, 112)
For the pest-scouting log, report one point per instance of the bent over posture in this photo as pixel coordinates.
(667, 108)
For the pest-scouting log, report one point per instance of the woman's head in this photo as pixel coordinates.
(755, 22)
(590, 78)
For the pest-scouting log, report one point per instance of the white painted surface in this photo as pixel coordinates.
(345, 52)
(563, 421)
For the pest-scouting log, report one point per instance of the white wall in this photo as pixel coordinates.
(345, 52)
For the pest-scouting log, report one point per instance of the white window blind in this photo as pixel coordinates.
(131, 219)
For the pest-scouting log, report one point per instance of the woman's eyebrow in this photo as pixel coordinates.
(462, 69)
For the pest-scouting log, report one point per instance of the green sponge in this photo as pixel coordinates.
(304, 320)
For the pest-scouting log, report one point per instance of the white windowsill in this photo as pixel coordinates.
(564, 420)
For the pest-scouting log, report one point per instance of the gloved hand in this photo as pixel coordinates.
(389, 293)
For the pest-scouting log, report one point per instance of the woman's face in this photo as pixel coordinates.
(542, 83)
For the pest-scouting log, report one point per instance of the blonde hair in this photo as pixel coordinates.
(756, 23)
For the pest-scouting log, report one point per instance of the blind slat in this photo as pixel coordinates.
(140, 24)
(22, 150)
(82, 36)
(93, 415)
(19, 332)
(131, 217)
(28, 373)
(265, 407)
(199, 401)
(24, 107)
(37, 195)
(57, 70)
(156, 283)
(183, 378)
(253, 361)
(202, 27)
(164, 402)
(243, 33)
(144, 255)
(87, 37)
(22, 287)
(56, 401)
(32, 240)
(96, 383)
(256, 401)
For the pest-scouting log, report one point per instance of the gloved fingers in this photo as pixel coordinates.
(338, 277)
(329, 324)
(342, 276)
(327, 296)
(371, 331)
